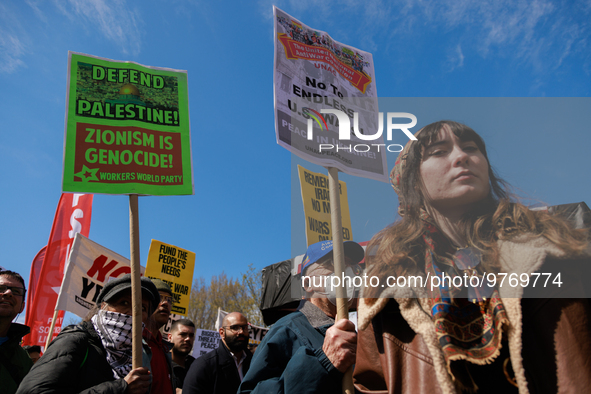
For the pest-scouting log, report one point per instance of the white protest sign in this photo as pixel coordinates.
(88, 269)
(319, 85)
(205, 342)
(171, 319)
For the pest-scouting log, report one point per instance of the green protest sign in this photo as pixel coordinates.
(127, 129)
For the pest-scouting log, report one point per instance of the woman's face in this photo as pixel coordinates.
(454, 174)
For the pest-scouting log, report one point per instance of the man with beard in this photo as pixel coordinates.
(161, 360)
(221, 370)
(182, 337)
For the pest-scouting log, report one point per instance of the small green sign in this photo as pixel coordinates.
(127, 129)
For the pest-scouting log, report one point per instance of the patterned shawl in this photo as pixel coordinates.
(469, 320)
(114, 329)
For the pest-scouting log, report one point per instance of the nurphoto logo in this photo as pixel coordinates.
(345, 130)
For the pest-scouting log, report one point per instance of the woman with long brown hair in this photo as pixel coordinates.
(456, 308)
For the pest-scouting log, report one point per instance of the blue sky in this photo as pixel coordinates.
(246, 209)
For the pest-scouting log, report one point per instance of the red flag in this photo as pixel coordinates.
(34, 277)
(72, 216)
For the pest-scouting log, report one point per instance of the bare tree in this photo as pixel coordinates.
(231, 295)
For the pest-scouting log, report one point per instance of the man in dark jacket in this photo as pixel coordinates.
(221, 370)
(95, 356)
(306, 351)
(182, 337)
(15, 362)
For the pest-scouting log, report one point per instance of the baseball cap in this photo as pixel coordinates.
(316, 251)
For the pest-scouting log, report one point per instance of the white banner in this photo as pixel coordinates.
(320, 85)
(87, 271)
(205, 341)
(171, 319)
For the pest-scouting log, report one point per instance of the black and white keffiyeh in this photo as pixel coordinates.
(114, 329)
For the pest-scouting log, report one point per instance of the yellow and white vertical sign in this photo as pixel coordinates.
(174, 266)
(316, 200)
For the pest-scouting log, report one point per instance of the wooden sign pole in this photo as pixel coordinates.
(136, 288)
(339, 258)
(51, 328)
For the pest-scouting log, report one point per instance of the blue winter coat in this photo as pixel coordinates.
(290, 357)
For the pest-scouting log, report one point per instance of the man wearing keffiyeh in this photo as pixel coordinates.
(96, 354)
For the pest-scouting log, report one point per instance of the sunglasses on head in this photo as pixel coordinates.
(466, 260)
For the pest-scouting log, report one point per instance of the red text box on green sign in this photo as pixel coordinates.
(146, 156)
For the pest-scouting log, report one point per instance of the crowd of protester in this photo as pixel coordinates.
(95, 356)
(457, 220)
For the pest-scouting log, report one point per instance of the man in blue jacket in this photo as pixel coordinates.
(306, 351)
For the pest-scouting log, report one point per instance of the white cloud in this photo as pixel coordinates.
(265, 8)
(540, 34)
(12, 47)
(455, 58)
(115, 20)
(34, 5)
(111, 19)
(11, 51)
